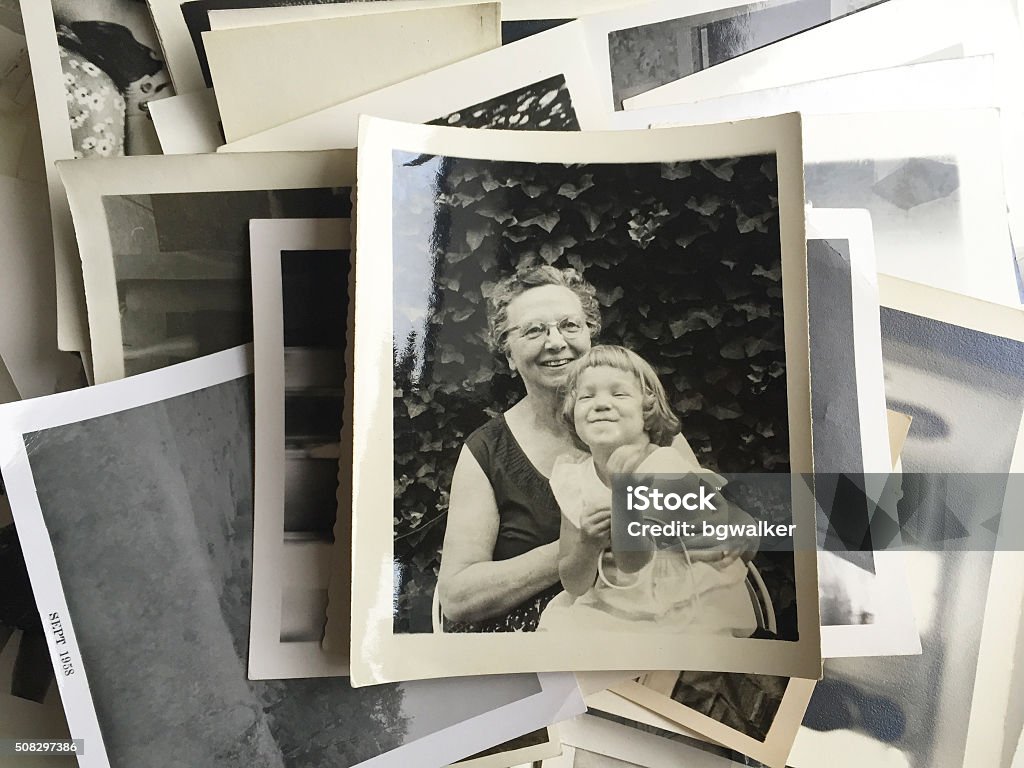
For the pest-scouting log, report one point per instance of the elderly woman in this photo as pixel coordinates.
(500, 564)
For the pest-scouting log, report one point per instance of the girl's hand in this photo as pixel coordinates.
(596, 527)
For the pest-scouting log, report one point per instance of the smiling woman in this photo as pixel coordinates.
(500, 565)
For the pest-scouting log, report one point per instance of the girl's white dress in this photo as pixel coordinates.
(669, 594)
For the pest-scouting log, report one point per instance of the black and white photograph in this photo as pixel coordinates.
(153, 615)
(598, 740)
(540, 83)
(112, 68)
(645, 57)
(753, 714)
(519, 286)
(863, 594)
(836, 48)
(940, 351)
(96, 66)
(165, 246)
(302, 356)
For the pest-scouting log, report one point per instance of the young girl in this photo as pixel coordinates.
(617, 409)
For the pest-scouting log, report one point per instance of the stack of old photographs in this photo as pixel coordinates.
(346, 344)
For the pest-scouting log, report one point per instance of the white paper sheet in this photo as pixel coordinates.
(188, 124)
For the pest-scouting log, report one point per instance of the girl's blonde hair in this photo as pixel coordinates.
(660, 424)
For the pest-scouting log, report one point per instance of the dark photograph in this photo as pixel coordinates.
(181, 265)
(527, 295)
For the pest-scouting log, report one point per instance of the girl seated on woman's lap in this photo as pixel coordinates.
(618, 410)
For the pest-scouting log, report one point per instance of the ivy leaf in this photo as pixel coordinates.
(674, 171)
(414, 409)
(606, 298)
(474, 237)
(705, 207)
(572, 191)
(545, 221)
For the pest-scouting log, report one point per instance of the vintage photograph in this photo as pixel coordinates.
(300, 283)
(645, 57)
(524, 294)
(113, 68)
(493, 90)
(933, 185)
(916, 711)
(96, 66)
(174, 450)
(863, 594)
(165, 246)
(756, 715)
(596, 740)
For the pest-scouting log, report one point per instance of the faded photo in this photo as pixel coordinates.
(963, 389)
(181, 266)
(915, 204)
(113, 68)
(646, 57)
(526, 295)
(149, 513)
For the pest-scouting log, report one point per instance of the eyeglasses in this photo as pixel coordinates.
(568, 327)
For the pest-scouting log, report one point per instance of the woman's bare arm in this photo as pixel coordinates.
(579, 548)
(472, 585)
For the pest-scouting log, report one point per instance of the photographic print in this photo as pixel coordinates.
(96, 66)
(933, 184)
(174, 451)
(302, 354)
(967, 83)
(165, 246)
(594, 740)
(863, 594)
(475, 212)
(838, 48)
(650, 55)
(541, 83)
(756, 715)
(293, 61)
(946, 706)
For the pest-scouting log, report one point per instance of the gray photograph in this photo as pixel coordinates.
(652, 55)
(181, 265)
(315, 299)
(919, 706)
(150, 517)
